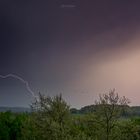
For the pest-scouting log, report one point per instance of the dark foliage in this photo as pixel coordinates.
(51, 119)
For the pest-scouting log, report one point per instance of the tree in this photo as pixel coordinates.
(109, 108)
(51, 116)
(10, 125)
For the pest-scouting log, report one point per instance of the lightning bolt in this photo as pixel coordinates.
(26, 83)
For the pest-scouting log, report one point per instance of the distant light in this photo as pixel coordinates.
(67, 6)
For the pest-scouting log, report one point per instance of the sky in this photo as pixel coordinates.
(79, 48)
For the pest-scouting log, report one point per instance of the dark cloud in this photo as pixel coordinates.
(53, 47)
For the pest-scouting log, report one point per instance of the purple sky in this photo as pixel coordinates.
(78, 47)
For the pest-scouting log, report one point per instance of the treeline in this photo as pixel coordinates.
(131, 111)
(51, 119)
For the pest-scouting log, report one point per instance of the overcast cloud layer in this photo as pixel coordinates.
(80, 48)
